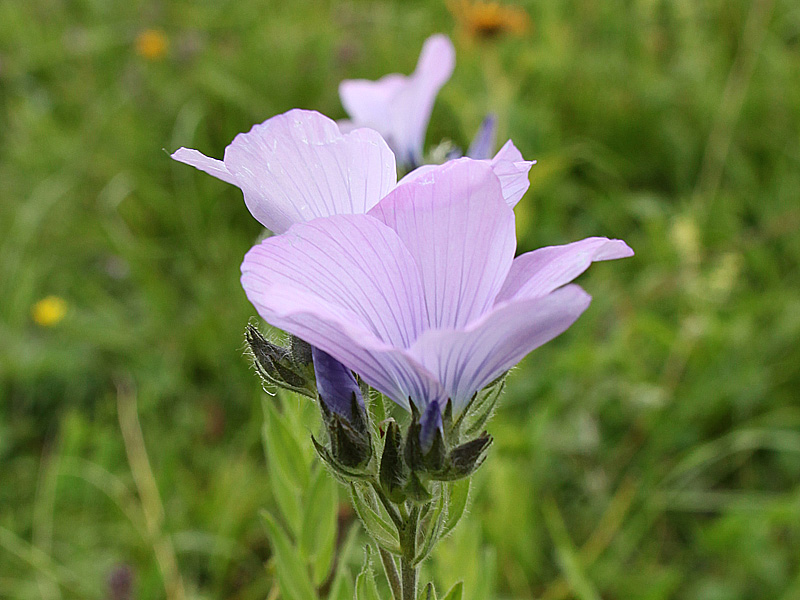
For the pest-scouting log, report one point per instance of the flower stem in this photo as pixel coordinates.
(409, 579)
(408, 545)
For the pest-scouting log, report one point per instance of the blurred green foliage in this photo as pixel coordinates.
(651, 452)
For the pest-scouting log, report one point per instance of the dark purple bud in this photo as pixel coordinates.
(336, 386)
(482, 146)
(430, 425)
(424, 447)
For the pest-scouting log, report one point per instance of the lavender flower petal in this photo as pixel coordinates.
(512, 170)
(298, 166)
(347, 285)
(464, 361)
(460, 232)
(537, 273)
(508, 165)
(399, 107)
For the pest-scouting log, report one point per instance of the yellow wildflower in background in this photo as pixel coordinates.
(489, 19)
(152, 44)
(49, 311)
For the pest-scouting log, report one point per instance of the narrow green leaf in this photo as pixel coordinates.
(566, 554)
(456, 592)
(342, 587)
(283, 447)
(434, 525)
(293, 577)
(286, 495)
(366, 588)
(378, 528)
(427, 593)
(457, 504)
(318, 532)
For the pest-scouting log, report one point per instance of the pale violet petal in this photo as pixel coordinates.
(465, 361)
(198, 160)
(460, 231)
(347, 285)
(512, 170)
(538, 273)
(298, 166)
(368, 102)
(399, 107)
(509, 166)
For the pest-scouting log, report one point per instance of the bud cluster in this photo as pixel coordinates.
(436, 446)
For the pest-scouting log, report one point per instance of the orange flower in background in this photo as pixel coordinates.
(152, 44)
(489, 19)
(49, 311)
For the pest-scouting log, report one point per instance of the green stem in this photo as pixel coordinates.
(390, 568)
(408, 545)
(409, 579)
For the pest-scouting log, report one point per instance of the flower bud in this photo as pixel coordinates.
(425, 448)
(343, 410)
(276, 365)
(464, 460)
(393, 472)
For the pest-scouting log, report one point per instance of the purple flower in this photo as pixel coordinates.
(422, 296)
(398, 106)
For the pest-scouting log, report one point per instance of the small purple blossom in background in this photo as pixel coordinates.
(482, 144)
(422, 296)
(399, 106)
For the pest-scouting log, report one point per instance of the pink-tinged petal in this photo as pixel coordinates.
(298, 166)
(400, 107)
(198, 160)
(512, 170)
(537, 273)
(368, 102)
(347, 285)
(509, 166)
(465, 361)
(460, 231)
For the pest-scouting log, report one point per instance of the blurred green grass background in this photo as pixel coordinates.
(651, 452)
